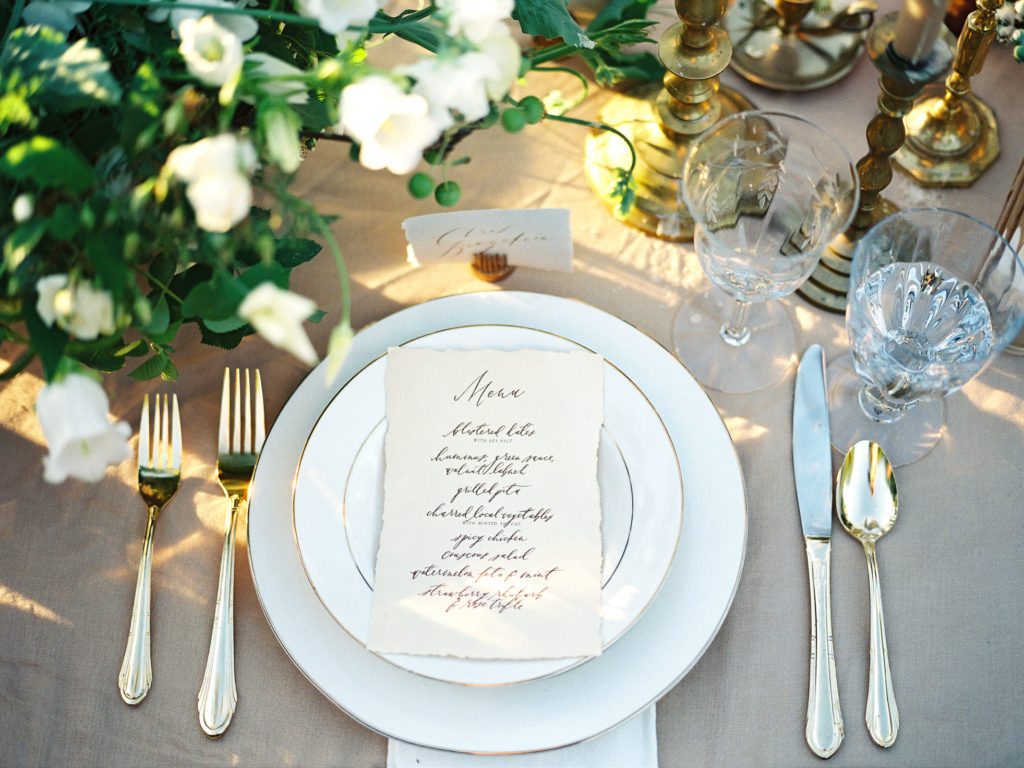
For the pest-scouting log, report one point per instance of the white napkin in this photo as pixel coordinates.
(634, 744)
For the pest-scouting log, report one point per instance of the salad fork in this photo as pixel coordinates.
(159, 478)
(236, 462)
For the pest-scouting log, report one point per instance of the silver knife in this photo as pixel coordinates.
(812, 468)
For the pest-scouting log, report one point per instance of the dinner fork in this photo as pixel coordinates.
(159, 478)
(236, 462)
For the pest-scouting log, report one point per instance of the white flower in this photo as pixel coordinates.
(81, 310)
(23, 208)
(281, 138)
(58, 14)
(216, 171)
(82, 439)
(392, 127)
(505, 58)
(336, 16)
(212, 53)
(474, 19)
(451, 84)
(277, 316)
(245, 27)
(293, 91)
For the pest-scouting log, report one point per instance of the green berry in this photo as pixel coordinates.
(353, 152)
(420, 185)
(533, 108)
(434, 156)
(513, 119)
(447, 193)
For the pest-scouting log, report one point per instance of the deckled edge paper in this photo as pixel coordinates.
(534, 237)
(491, 540)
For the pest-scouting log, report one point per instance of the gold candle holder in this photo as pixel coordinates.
(792, 47)
(901, 82)
(663, 122)
(952, 135)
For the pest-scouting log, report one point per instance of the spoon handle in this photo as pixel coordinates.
(824, 731)
(881, 715)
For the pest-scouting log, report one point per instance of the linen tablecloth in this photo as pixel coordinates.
(953, 568)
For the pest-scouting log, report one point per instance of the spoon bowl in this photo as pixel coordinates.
(866, 503)
(866, 496)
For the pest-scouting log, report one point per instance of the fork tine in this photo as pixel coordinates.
(236, 432)
(261, 425)
(165, 446)
(144, 433)
(223, 444)
(247, 448)
(176, 437)
(154, 455)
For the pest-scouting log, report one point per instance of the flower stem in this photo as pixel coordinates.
(602, 127)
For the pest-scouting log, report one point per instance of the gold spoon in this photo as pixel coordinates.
(866, 502)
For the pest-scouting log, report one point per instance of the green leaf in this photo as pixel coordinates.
(228, 340)
(215, 299)
(550, 19)
(64, 223)
(262, 273)
(46, 163)
(615, 11)
(167, 336)
(103, 249)
(170, 372)
(315, 115)
(293, 251)
(150, 368)
(49, 343)
(226, 325)
(65, 78)
(317, 316)
(101, 360)
(21, 241)
(159, 319)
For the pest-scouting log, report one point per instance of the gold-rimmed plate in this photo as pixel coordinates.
(338, 501)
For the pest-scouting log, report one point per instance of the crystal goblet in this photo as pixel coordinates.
(934, 296)
(768, 192)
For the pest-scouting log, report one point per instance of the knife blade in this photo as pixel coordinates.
(812, 470)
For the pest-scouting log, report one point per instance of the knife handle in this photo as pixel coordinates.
(824, 719)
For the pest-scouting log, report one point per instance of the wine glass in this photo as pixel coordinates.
(767, 192)
(934, 296)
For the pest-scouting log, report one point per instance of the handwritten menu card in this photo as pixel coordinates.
(491, 539)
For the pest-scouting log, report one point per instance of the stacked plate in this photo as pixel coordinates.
(315, 516)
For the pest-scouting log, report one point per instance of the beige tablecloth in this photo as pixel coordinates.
(953, 568)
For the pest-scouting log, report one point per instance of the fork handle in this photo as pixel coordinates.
(136, 674)
(218, 697)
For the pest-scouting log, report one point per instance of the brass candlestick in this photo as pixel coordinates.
(792, 47)
(901, 82)
(663, 122)
(952, 135)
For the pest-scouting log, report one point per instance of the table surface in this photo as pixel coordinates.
(953, 568)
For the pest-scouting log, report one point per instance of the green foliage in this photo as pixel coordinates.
(550, 19)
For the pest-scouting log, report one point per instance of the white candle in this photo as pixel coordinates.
(917, 29)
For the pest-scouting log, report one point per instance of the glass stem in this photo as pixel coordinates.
(878, 407)
(735, 332)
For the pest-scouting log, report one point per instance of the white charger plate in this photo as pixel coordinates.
(338, 504)
(581, 703)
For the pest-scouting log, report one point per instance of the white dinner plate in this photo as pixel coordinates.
(580, 703)
(338, 504)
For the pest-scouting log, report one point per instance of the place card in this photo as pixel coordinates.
(536, 237)
(491, 540)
